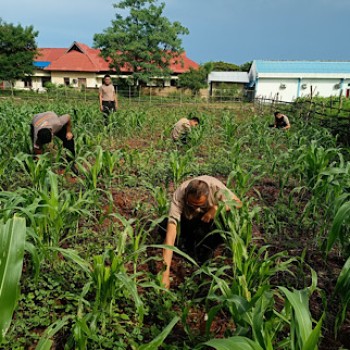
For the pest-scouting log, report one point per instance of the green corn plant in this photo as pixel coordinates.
(12, 243)
(161, 198)
(338, 227)
(60, 211)
(228, 127)
(243, 180)
(111, 161)
(342, 289)
(303, 336)
(180, 166)
(237, 343)
(313, 160)
(90, 171)
(159, 340)
(36, 170)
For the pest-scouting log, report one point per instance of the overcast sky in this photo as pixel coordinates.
(220, 30)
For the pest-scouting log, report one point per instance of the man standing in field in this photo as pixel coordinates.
(48, 124)
(108, 97)
(182, 128)
(193, 207)
(281, 121)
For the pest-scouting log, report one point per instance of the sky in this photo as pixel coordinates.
(234, 31)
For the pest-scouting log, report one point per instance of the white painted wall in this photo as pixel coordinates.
(323, 87)
(271, 89)
(91, 79)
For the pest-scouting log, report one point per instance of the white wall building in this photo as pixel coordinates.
(288, 80)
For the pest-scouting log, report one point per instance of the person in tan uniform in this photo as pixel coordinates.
(193, 207)
(182, 128)
(108, 97)
(45, 126)
(281, 121)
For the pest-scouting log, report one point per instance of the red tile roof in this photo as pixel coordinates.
(82, 58)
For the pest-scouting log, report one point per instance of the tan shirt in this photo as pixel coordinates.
(217, 192)
(49, 120)
(283, 119)
(180, 128)
(107, 92)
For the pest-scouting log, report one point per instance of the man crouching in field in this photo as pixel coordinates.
(182, 128)
(193, 207)
(48, 124)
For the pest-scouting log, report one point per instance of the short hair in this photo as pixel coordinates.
(197, 189)
(44, 136)
(106, 76)
(196, 119)
(276, 113)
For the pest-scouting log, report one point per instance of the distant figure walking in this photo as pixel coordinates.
(281, 121)
(108, 97)
(182, 128)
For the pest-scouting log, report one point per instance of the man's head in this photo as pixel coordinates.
(107, 80)
(196, 196)
(194, 121)
(44, 136)
(278, 115)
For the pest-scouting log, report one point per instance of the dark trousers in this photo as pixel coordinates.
(108, 107)
(68, 144)
(192, 238)
(278, 126)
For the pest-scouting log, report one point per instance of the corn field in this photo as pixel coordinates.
(80, 256)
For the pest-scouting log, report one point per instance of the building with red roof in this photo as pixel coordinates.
(81, 65)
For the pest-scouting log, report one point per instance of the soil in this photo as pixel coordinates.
(124, 203)
(327, 272)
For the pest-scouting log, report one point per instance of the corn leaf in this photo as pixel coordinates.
(46, 342)
(158, 341)
(342, 215)
(12, 241)
(299, 300)
(236, 343)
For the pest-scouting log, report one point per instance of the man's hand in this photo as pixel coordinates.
(69, 135)
(166, 280)
(210, 214)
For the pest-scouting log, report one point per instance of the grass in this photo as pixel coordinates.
(92, 267)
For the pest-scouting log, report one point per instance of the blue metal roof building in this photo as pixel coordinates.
(288, 80)
(322, 67)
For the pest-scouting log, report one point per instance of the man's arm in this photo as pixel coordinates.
(286, 120)
(69, 134)
(167, 253)
(100, 98)
(115, 100)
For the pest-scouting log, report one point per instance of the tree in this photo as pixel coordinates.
(225, 67)
(245, 67)
(196, 79)
(143, 40)
(17, 51)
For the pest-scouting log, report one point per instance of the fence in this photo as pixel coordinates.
(332, 113)
(131, 95)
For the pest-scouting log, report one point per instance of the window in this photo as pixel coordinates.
(82, 82)
(45, 80)
(66, 81)
(28, 82)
